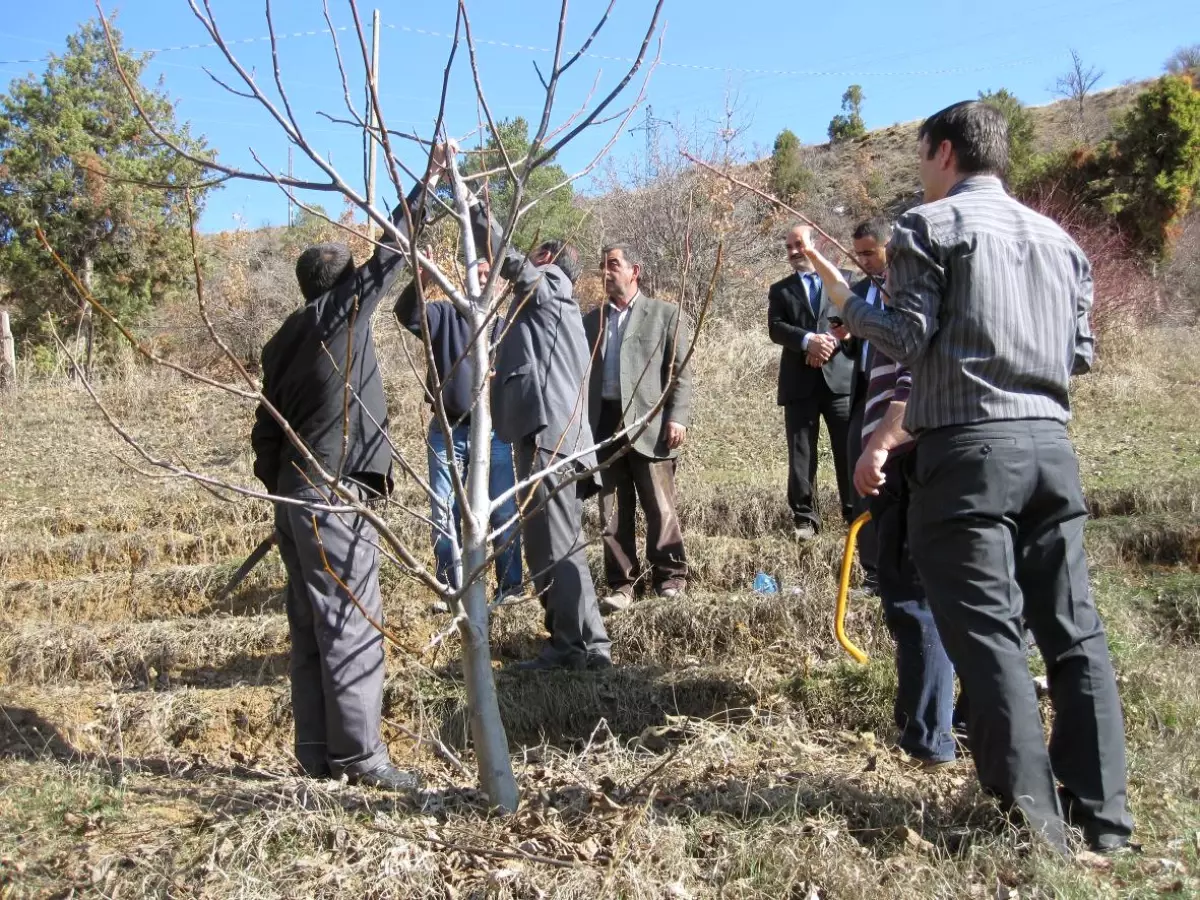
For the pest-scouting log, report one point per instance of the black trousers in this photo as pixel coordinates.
(868, 547)
(996, 526)
(802, 422)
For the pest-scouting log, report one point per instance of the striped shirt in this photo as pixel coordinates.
(989, 309)
(890, 382)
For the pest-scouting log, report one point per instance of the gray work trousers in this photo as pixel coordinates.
(337, 665)
(996, 525)
(552, 534)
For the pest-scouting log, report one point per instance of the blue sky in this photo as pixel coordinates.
(787, 62)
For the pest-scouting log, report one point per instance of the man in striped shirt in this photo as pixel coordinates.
(989, 308)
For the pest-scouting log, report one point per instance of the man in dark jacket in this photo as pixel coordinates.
(815, 377)
(870, 250)
(321, 375)
(450, 337)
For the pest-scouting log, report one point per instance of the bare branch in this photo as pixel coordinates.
(612, 95)
(287, 103)
(556, 72)
(779, 203)
(207, 71)
(590, 39)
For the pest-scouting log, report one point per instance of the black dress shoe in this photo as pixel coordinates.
(597, 662)
(388, 778)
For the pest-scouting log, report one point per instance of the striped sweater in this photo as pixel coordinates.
(890, 381)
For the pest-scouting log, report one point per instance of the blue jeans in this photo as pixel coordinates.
(500, 479)
(925, 678)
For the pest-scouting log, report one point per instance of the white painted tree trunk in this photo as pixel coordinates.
(8, 355)
(487, 728)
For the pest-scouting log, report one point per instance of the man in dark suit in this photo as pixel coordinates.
(870, 249)
(639, 349)
(815, 379)
(539, 406)
(332, 558)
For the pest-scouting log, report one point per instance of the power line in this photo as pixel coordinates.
(666, 64)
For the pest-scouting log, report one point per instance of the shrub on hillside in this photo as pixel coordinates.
(1181, 275)
(790, 178)
(849, 124)
(1020, 133)
(1144, 177)
(1124, 293)
(1153, 162)
(249, 289)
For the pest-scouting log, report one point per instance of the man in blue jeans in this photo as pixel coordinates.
(924, 703)
(450, 338)
(924, 676)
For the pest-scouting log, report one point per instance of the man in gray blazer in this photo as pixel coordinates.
(639, 346)
(539, 406)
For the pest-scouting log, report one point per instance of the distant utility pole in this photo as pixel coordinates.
(372, 89)
(650, 125)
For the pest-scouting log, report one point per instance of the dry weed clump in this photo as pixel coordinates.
(32, 556)
(1146, 540)
(562, 708)
(142, 595)
(1175, 606)
(730, 564)
(788, 630)
(147, 727)
(1173, 495)
(159, 654)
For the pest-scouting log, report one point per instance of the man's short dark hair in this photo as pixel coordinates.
(879, 229)
(978, 132)
(563, 255)
(322, 266)
(628, 252)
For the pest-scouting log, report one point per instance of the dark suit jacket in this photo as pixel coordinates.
(789, 319)
(542, 360)
(653, 348)
(303, 378)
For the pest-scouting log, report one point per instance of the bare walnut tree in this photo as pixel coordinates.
(480, 302)
(1075, 85)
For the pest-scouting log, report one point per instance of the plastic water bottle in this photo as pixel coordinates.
(765, 584)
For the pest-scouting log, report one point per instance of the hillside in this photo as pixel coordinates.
(879, 170)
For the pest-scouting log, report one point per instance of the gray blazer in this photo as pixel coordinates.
(653, 348)
(542, 360)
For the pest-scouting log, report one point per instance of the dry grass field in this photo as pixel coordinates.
(734, 752)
